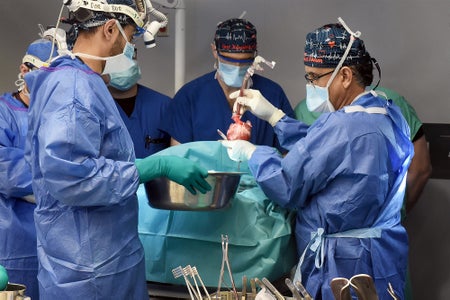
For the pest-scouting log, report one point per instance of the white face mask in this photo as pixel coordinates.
(122, 61)
(116, 63)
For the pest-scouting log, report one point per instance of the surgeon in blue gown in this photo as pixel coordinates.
(17, 203)
(85, 175)
(345, 174)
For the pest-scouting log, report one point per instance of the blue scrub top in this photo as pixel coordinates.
(345, 172)
(18, 235)
(144, 123)
(85, 183)
(200, 107)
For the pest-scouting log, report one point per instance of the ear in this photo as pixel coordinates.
(213, 50)
(347, 76)
(110, 30)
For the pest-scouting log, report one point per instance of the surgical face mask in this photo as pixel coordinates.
(317, 99)
(232, 75)
(117, 63)
(122, 61)
(123, 81)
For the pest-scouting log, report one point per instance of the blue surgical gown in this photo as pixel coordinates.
(18, 235)
(144, 122)
(85, 183)
(200, 107)
(346, 177)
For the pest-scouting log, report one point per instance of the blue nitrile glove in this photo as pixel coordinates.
(181, 170)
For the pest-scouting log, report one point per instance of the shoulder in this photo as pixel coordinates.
(407, 110)
(149, 92)
(199, 82)
(261, 82)
(398, 99)
(301, 108)
(204, 84)
(8, 100)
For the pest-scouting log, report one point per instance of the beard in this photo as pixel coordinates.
(118, 46)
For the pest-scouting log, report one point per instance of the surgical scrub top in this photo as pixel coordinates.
(345, 174)
(144, 122)
(85, 183)
(200, 107)
(18, 235)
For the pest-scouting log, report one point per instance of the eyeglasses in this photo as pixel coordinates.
(311, 77)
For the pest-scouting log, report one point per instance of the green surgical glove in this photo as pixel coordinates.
(181, 170)
(3, 278)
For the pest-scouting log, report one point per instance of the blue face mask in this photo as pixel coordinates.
(124, 80)
(232, 75)
(317, 99)
(122, 61)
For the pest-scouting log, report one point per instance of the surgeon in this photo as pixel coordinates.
(18, 243)
(345, 174)
(141, 108)
(85, 175)
(203, 105)
(420, 169)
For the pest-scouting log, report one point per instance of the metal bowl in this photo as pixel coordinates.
(163, 193)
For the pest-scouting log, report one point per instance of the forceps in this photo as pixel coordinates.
(225, 261)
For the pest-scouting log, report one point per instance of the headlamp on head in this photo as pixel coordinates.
(39, 54)
(84, 10)
(139, 11)
(151, 28)
(57, 36)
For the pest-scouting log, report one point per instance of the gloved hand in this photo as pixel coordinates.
(3, 278)
(181, 170)
(239, 150)
(255, 102)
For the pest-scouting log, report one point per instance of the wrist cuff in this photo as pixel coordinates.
(276, 116)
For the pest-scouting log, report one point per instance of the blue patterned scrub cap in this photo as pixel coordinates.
(325, 46)
(235, 36)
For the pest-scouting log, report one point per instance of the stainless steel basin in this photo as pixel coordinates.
(163, 193)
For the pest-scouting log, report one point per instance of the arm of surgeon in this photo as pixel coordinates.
(418, 173)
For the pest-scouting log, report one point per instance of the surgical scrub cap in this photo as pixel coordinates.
(38, 52)
(235, 36)
(325, 46)
(98, 18)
